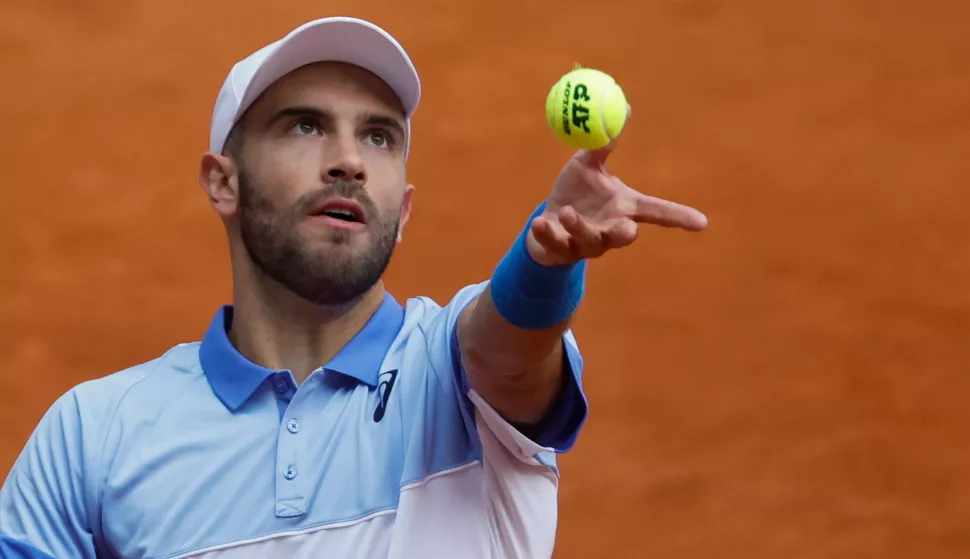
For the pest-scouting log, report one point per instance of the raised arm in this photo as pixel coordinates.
(511, 336)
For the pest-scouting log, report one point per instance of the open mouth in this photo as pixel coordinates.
(342, 210)
(342, 215)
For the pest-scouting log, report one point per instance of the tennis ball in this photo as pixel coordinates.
(586, 109)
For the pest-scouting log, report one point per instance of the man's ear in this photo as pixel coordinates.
(218, 176)
(405, 210)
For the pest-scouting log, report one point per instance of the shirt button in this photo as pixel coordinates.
(289, 472)
(281, 386)
(293, 426)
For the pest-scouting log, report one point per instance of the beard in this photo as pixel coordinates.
(330, 274)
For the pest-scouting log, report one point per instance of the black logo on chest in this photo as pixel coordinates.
(384, 387)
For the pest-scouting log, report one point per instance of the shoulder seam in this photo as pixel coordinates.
(106, 424)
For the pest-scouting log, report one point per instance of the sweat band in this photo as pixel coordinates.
(530, 295)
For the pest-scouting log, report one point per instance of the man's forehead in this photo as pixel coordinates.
(327, 79)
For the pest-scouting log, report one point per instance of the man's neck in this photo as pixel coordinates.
(277, 330)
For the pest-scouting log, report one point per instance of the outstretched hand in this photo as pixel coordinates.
(591, 211)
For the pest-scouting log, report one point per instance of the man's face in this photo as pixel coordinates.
(322, 191)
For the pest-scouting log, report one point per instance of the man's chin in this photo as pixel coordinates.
(349, 248)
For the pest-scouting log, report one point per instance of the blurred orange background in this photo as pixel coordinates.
(788, 384)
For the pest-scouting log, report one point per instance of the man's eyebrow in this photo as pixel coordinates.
(315, 112)
(377, 119)
(323, 115)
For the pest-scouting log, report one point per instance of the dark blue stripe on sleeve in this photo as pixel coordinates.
(16, 549)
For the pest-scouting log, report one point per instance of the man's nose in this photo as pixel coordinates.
(343, 160)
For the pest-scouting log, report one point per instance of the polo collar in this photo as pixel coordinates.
(234, 378)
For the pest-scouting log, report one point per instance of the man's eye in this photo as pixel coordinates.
(379, 138)
(305, 127)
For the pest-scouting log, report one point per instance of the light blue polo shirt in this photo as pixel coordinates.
(385, 452)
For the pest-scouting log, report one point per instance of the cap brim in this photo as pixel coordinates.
(339, 39)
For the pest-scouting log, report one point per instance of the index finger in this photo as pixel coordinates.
(665, 213)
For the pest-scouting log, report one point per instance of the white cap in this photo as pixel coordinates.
(338, 39)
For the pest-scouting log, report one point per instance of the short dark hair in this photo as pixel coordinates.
(234, 142)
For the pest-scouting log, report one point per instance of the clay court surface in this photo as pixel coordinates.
(792, 383)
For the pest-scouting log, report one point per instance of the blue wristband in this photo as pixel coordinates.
(530, 295)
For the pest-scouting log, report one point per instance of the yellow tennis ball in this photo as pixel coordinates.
(586, 109)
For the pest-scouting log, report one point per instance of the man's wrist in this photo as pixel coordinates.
(533, 296)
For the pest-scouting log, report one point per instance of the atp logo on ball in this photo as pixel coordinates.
(574, 112)
(586, 109)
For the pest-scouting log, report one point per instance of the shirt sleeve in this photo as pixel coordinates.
(15, 549)
(558, 430)
(43, 509)
(459, 450)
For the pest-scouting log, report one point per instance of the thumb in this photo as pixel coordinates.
(596, 158)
